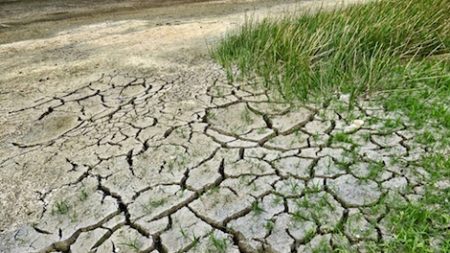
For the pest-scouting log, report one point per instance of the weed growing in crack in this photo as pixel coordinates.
(211, 115)
(152, 204)
(351, 116)
(219, 91)
(214, 190)
(195, 242)
(324, 246)
(408, 189)
(269, 225)
(298, 133)
(219, 244)
(366, 136)
(314, 207)
(392, 124)
(310, 234)
(329, 166)
(184, 233)
(132, 244)
(73, 216)
(352, 224)
(373, 121)
(61, 207)
(303, 202)
(64, 208)
(316, 137)
(324, 203)
(352, 154)
(342, 137)
(299, 216)
(178, 163)
(182, 132)
(340, 244)
(183, 160)
(171, 164)
(254, 186)
(256, 208)
(375, 168)
(343, 165)
(339, 229)
(341, 107)
(261, 130)
(83, 195)
(277, 200)
(294, 187)
(313, 188)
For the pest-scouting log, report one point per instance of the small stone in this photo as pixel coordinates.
(356, 124)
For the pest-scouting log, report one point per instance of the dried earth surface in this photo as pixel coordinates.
(121, 136)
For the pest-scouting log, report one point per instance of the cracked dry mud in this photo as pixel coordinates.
(165, 163)
(186, 161)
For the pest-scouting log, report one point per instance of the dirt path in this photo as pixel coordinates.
(121, 136)
(22, 20)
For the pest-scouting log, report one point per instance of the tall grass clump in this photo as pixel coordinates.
(381, 45)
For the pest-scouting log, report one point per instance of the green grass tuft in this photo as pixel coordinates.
(397, 49)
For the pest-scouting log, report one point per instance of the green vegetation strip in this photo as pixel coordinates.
(394, 52)
(386, 47)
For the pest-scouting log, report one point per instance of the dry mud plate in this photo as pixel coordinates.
(165, 163)
(186, 161)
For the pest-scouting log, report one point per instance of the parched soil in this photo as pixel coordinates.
(121, 136)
